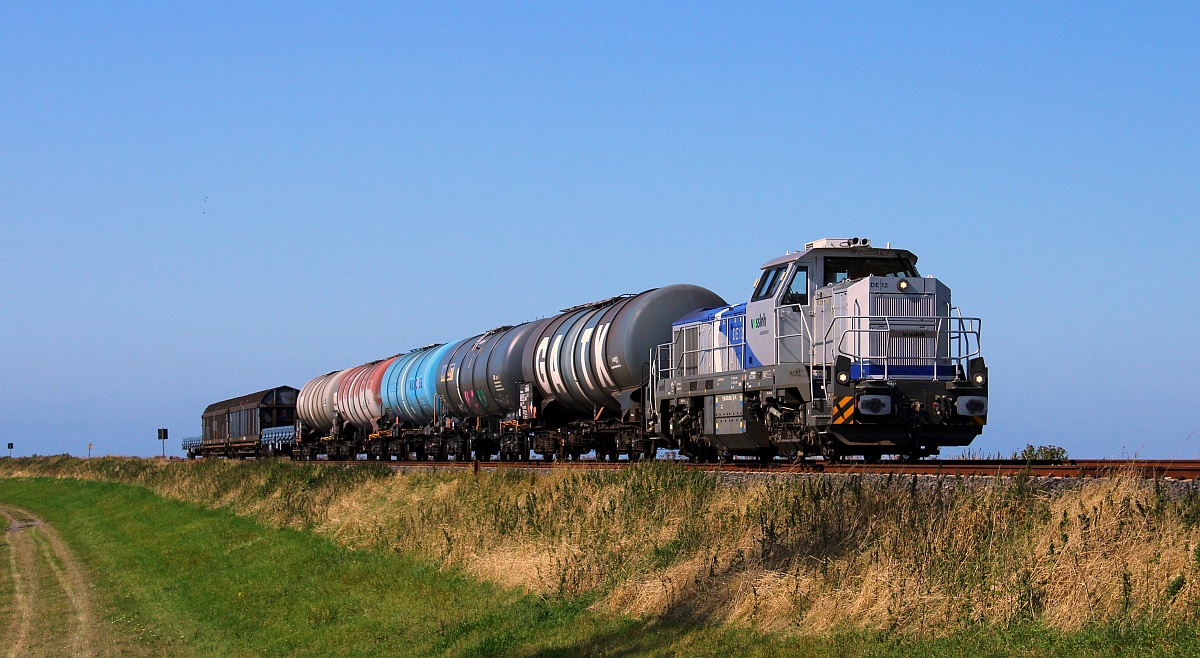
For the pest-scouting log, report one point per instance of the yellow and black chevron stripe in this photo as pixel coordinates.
(843, 411)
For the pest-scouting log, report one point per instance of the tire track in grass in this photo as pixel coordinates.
(21, 564)
(66, 569)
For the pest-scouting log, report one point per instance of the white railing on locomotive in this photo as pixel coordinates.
(657, 374)
(805, 335)
(955, 341)
(660, 367)
(693, 359)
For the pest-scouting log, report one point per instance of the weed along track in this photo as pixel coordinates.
(45, 621)
(246, 554)
(1182, 469)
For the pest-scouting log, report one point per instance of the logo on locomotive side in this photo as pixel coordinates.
(759, 322)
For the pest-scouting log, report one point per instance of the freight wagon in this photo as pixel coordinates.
(254, 425)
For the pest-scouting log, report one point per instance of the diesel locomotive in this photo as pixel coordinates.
(843, 349)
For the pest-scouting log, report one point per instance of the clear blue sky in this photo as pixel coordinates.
(198, 201)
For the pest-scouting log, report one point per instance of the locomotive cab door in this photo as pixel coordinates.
(760, 316)
(792, 336)
(775, 316)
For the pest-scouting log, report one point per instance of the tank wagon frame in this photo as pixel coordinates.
(842, 349)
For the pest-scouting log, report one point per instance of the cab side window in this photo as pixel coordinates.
(768, 283)
(798, 288)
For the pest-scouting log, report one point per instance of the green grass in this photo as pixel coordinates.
(187, 580)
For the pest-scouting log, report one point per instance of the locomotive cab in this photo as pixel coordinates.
(786, 285)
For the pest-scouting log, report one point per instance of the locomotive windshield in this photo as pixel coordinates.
(768, 282)
(840, 269)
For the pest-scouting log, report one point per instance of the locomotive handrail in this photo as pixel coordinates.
(805, 331)
(677, 361)
(956, 330)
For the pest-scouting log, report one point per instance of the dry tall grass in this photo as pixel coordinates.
(809, 554)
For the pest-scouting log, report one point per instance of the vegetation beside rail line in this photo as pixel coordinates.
(887, 566)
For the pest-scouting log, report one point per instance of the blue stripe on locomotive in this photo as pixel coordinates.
(732, 324)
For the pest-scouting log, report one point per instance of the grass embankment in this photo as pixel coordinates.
(863, 565)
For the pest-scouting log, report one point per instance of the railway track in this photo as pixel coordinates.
(1182, 469)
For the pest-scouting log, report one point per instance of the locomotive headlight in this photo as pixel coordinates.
(843, 377)
(979, 378)
(903, 285)
(971, 405)
(875, 405)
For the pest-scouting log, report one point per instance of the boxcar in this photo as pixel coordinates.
(254, 425)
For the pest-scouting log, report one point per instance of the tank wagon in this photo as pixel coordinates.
(841, 349)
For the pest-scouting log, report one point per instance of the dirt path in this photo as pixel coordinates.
(31, 609)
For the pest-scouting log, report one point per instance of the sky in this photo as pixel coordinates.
(203, 200)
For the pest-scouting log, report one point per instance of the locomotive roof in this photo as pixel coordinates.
(846, 251)
(711, 313)
(249, 400)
